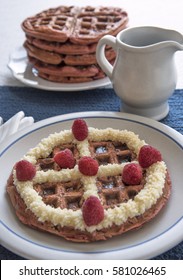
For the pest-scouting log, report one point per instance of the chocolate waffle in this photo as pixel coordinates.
(53, 200)
(66, 73)
(85, 25)
(55, 58)
(69, 80)
(62, 48)
(68, 36)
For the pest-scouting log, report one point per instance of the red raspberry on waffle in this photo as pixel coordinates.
(25, 170)
(80, 129)
(93, 211)
(148, 155)
(88, 166)
(132, 174)
(65, 159)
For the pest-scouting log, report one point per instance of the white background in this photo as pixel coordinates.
(173, 269)
(162, 13)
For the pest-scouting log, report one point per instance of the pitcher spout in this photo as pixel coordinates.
(149, 38)
(175, 40)
(168, 39)
(172, 46)
(178, 46)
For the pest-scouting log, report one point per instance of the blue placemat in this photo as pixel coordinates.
(44, 104)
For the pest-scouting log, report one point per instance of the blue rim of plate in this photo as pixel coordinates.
(102, 251)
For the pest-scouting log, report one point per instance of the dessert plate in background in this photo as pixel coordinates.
(22, 70)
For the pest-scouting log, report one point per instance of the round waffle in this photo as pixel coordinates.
(52, 201)
(62, 48)
(66, 73)
(66, 70)
(80, 25)
(55, 58)
(68, 79)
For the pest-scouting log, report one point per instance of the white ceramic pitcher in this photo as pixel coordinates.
(144, 74)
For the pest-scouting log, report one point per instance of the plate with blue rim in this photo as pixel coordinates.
(154, 238)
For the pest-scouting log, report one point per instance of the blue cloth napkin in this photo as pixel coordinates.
(42, 104)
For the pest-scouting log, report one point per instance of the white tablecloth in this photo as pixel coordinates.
(162, 13)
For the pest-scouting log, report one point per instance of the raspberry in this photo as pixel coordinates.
(132, 174)
(148, 155)
(93, 211)
(88, 166)
(65, 159)
(80, 129)
(25, 170)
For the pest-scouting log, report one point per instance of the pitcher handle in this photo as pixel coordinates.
(100, 54)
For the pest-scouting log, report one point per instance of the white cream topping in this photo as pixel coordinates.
(144, 200)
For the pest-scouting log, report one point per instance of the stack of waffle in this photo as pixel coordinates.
(61, 42)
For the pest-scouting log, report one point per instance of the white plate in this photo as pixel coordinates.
(22, 71)
(156, 237)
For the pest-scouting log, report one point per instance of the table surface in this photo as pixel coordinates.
(14, 96)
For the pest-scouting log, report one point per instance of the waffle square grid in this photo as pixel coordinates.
(111, 189)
